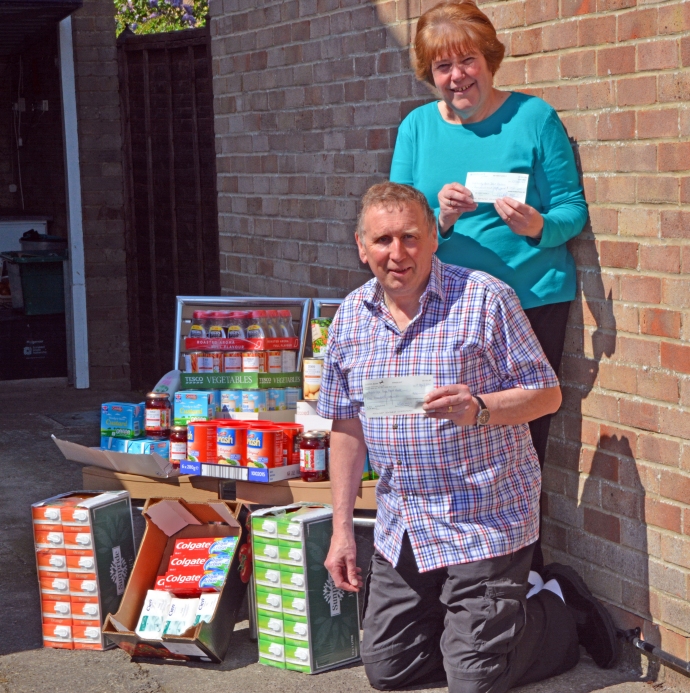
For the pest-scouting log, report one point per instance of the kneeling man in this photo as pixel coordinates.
(458, 494)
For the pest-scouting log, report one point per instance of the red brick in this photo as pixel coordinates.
(579, 64)
(618, 378)
(570, 8)
(675, 357)
(684, 189)
(660, 322)
(618, 254)
(675, 292)
(637, 24)
(656, 385)
(511, 72)
(634, 156)
(616, 126)
(657, 55)
(675, 224)
(658, 189)
(616, 61)
(663, 515)
(526, 42)
(640, 289)
(674, 18)
(582, 127)
(636, 91)
(639, 414)
(675, 486)
(598, 157)
(603, 220)
(603, 525)
(674, 86)
(674, 156)
(657, 123)
(600, 406)
(660, 258)
(595, 31)
(540, 11)
(543, 68)
(654, 448)
(562, 34)
(616, 189)
(685, 51)
(643, 352)
(562, 98)
(594, 95)
(598, 464)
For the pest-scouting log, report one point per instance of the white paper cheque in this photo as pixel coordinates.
(396, 396)
(488, 187)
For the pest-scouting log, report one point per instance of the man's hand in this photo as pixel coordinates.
(341, 562)
(453, 402)
(520, 218)
(454, 200)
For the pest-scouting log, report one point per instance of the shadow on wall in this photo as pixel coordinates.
(594, 498)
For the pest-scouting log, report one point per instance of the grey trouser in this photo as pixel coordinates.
(469, 623)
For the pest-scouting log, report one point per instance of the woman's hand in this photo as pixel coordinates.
(453, 402)
(454, 200)
(520, 218)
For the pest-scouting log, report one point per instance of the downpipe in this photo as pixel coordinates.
(633, 637)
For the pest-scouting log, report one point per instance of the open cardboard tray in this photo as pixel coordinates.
(189, 488)
(146, 465)
(166, 520)
(296, 491)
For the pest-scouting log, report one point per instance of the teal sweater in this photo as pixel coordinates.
(524, 135)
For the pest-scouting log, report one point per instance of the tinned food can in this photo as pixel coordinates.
(275, 361)
(232, 444)
(311, 380)
(292, 394)
(291, 438)
(232, 362)
(201, 442)
(254, 362)
(199, 362)
(264, 447)
(230, 400)
(217, 359)
(319, 335)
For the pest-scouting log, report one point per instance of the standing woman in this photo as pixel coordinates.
(476, 127)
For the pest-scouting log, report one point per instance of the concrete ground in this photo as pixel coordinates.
(32, 468)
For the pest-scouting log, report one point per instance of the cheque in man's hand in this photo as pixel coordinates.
(396, 396)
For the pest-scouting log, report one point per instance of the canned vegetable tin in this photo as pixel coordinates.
(312, 377)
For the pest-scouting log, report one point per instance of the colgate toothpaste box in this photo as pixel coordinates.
(88, 561)
(182, 530)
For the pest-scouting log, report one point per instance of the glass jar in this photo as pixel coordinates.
(178, 445)
(313, 454)
(157, 416)
(216, 327)
(199, 324)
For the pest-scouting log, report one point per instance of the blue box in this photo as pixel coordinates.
(122, 420)
(140, 446)
(195, 405)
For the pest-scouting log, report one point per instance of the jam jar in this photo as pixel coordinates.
(157, 418)
(313, 456)
(178, 445)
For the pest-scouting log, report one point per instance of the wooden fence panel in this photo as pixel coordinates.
(170, 180)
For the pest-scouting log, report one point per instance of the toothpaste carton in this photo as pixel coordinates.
(122, 420)
(153, 615)
(296, 601)
(206, 608)
(86, 637)
(213, 531)
(181, 616)
(56, 610)
(84, 554)
(58, 635)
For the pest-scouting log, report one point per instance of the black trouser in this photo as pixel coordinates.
(549, 323)
(470, 624)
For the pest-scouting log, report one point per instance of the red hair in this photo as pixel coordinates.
(455, 27)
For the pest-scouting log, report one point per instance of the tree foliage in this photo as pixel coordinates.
(155, 16)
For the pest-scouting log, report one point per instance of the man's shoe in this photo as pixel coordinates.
(595, 629)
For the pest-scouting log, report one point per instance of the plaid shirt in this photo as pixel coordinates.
(463, 493)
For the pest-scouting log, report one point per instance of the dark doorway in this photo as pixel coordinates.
(170, 182)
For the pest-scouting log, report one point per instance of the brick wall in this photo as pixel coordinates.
(102, 189)
(308, 95)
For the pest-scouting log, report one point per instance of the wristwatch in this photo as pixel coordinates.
(483, 415)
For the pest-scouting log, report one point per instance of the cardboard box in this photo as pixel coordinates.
(137, 446)
(166, 521)
(304, 622)
(122, 420)
(147, 465)
(253, 474)
(99, 533)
